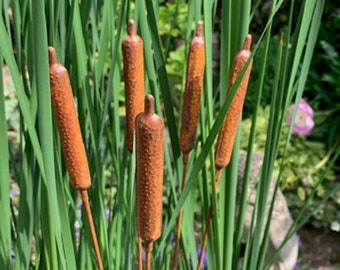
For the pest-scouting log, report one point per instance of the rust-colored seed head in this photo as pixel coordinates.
(68, 125)
(134, 80)
(149, 147)
(193, 89)
(226, 137)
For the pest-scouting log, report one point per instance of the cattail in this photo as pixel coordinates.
(149, 158)
(190, 111)
(71, 140)
(68, 125)
(193, 89)
(226, 137)
(134, 80)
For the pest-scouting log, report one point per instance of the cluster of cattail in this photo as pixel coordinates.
(226, 136)
(71, 138)
(148, 129)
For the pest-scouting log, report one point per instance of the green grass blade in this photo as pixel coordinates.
(5, 231)
(299, 39)
(26, 213)
(209, 13)
(50, 226)
(162, 78)
(243, 201)
(8, 54)
(230, 182)
(266, 174)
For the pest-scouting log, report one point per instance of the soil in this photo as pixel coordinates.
(319, 249)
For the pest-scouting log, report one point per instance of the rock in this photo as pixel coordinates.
(281, 218)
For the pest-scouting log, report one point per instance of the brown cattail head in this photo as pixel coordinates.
(149, 147)
(134, 80)
(226, 137)
(193, 89)
(68, 125)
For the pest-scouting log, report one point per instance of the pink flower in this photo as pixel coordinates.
(304, 122)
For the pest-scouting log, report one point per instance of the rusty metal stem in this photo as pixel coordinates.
(205, 237)
(180, 214)
(85, 199)
(140, 256)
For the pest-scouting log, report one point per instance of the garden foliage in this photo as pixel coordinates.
(42, 220)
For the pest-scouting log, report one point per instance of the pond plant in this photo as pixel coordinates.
(140, 182)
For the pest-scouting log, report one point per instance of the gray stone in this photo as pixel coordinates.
(281, 218)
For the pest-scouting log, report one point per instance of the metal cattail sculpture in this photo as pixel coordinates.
(190, 111)
(149, 159)
(71, 138)
(226, 136)
(192, 93)
(134, 80)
